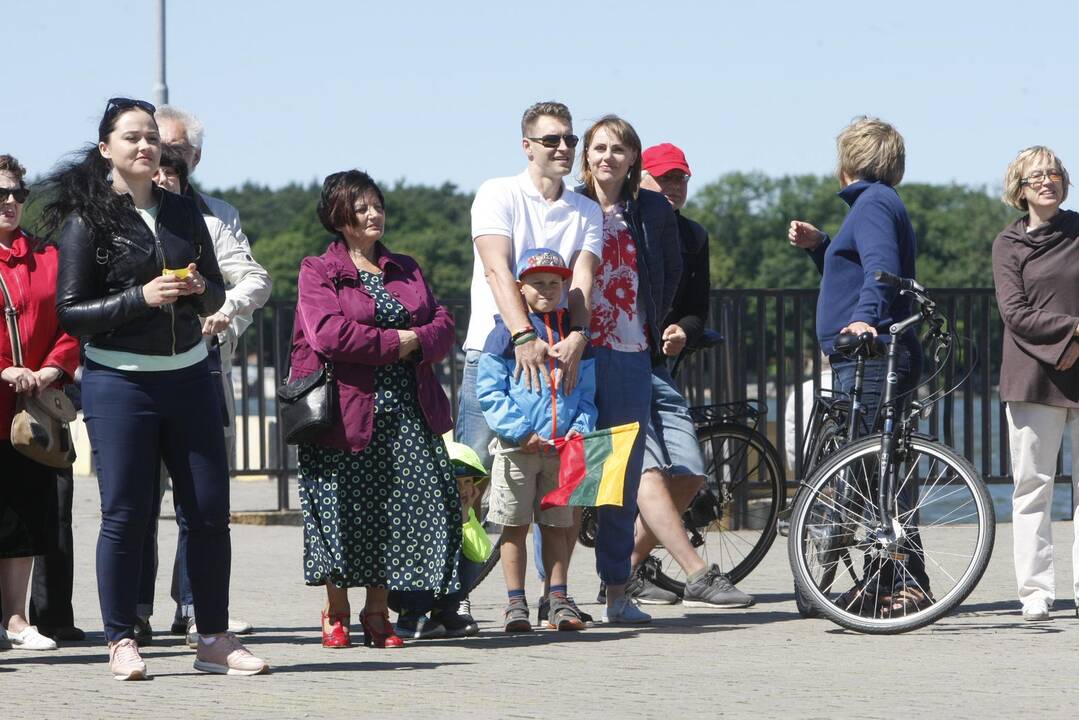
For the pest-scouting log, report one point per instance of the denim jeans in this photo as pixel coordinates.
(671, 442)
(134, 420)
(623, 395)
(908, 372)
(472, 429)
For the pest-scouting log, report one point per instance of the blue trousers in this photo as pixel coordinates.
(623, 395)
(136, 419)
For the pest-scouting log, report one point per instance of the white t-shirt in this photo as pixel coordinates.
(514, 208)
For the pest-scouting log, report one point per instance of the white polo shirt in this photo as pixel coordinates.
(514, 208)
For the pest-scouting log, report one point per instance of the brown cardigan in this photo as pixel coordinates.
(1036, 275)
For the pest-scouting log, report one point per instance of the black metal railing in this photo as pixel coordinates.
(770, 352)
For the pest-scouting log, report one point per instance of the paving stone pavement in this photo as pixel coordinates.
(759, 662)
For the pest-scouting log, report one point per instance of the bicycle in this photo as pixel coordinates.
(910, 511)
(732, 519)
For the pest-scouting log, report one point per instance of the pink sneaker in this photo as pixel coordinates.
(225, 655)
(125, 663)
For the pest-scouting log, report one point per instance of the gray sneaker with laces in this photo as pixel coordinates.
(641, 588)
(515, 616)
(714, 589)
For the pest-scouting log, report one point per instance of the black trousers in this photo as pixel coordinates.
(54, 572)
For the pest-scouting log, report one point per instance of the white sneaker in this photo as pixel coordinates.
(29, 639)
(623, 610)
(236, 627)
(240, 627)
(125, 663)
(1036, 611)
(225, 655)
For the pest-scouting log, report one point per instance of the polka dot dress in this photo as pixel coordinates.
(387, 516)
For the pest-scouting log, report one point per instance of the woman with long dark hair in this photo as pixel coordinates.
(137, 271)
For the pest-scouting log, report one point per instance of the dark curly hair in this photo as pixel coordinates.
(80, 186)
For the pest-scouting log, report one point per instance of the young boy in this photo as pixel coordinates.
(524, 465)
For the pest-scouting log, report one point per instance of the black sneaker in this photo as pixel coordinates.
(455, 624)
(601, 596)
(179, 625)
(714, 589)
(144, 634)
(543, 611)
(419, 627)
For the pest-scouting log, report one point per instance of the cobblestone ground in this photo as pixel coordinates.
(760, 662)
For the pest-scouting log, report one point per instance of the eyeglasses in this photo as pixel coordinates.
(553, 141)
(123, 103)
(674, 177)
(1038, 177)
(19, 193)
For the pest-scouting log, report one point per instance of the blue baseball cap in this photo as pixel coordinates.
(542, 260)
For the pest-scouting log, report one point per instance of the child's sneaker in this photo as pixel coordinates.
(515, 616)
(543, 612)
(454, 624)
(563, 615)
(622, 610)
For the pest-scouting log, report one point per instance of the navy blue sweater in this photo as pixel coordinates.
(875, 235)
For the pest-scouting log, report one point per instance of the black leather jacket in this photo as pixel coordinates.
(99, 285)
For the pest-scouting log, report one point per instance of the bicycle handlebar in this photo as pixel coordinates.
(909, 284)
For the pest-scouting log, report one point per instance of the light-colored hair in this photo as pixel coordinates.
(9, 164)
(628, 136)
(193, 127)
(871, 149)
(535, 112)
(1017, 170)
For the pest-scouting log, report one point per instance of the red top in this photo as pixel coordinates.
(31, 279)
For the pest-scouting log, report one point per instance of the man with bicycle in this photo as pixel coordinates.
(674, 468)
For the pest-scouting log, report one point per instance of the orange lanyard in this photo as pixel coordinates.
(552, 365)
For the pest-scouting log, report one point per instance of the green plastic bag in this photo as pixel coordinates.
(475, 544)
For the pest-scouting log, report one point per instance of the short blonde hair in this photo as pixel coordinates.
(1017, 170)
(871, 149)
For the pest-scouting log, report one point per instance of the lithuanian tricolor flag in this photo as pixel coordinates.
(592, 468)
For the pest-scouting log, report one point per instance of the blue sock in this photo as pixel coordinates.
(516, 594)
(558, 590)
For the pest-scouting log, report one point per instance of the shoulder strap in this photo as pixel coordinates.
(11, 317)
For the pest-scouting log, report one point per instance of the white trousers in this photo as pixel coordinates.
(1035, 433)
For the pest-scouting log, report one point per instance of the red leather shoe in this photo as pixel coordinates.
(383, 637)
(338, 634)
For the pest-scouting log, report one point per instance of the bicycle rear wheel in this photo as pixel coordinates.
(913, 569)
(732, 520)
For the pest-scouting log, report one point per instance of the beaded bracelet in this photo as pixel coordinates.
(522, 332)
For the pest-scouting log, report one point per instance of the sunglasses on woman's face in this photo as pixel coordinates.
(553, 141)
(122, 103)
(19, 193)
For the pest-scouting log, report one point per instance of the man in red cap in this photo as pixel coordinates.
(674, 468)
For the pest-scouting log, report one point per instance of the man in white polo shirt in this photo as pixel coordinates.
(509, 216)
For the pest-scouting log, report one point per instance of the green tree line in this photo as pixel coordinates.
(746, 215)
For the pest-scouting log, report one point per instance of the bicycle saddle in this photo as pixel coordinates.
(865, 345)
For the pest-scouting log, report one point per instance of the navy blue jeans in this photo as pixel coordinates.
(908, 372)
(136, 419)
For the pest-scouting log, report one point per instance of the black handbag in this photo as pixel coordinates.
(308, 406)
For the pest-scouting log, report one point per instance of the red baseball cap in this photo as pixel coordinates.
(661, 159)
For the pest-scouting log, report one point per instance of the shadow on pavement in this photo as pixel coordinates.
(359, 665)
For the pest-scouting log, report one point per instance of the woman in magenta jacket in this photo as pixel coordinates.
(378, 494)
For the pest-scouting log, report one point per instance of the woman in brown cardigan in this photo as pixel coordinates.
(1036, 272)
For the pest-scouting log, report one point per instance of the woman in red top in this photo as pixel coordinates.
(49, 355)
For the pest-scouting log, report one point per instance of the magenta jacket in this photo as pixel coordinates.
(335, 321)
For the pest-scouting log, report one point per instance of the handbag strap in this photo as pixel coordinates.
(11, 317)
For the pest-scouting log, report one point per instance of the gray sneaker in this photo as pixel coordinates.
(641, 588)
(563, 615)
(714, 589)
(515, 616)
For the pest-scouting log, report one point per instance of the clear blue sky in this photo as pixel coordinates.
(433, 91)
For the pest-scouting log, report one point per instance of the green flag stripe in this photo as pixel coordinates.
(596, 451)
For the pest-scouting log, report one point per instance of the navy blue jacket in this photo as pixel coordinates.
(654, 229)
(875, 235)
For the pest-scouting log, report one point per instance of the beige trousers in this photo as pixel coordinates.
(1035, 433)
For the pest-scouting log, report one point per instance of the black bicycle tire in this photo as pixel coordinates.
(489, 564)
(891, 626)
(820, 447)
(779, 493)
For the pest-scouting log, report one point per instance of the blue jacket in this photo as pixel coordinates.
(654, 228)
(511, 410)
(875, 235)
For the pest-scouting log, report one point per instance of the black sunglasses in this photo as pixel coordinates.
(122, 103)
(553, 141)
(19, 193)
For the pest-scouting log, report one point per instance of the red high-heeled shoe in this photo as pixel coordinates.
(383, 637)
(338, 635)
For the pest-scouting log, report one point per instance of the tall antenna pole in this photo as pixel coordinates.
(161, 90)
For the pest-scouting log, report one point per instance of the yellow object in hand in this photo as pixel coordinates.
(180, 273)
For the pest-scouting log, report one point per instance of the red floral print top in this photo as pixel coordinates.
(617, 322)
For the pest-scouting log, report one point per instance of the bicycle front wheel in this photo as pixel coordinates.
(732, 520)
(908, 570)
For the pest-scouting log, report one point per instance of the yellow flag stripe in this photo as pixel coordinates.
(612, 484)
